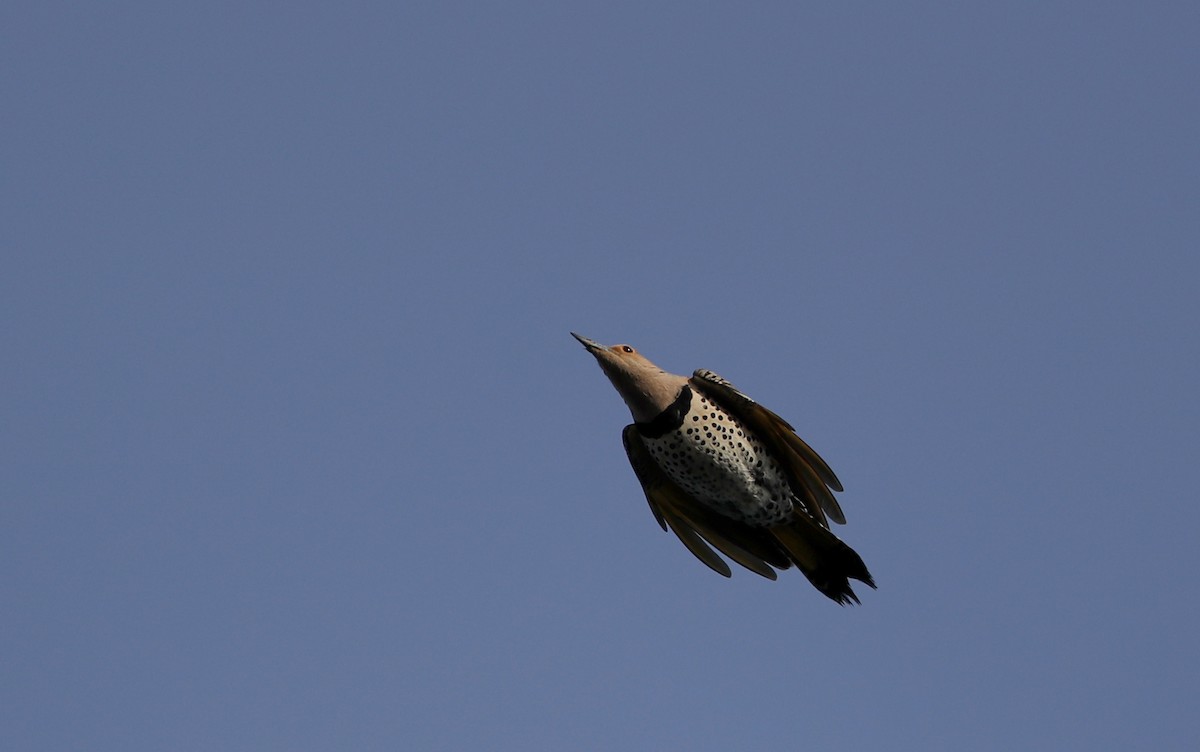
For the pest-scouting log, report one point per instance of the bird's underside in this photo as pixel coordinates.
(799, 538)
(722, 472)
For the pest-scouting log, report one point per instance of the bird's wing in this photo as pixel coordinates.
(696, 525)
(811, 479)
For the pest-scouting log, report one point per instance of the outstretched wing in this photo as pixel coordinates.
(810, 478)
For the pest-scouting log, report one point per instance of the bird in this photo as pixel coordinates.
(721, 471)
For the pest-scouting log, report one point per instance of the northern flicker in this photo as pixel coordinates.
(719, 470)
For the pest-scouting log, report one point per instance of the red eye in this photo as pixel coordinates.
(627, 348)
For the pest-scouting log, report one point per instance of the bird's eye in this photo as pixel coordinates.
(627, 348)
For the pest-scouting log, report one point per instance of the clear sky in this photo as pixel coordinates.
(298, 454)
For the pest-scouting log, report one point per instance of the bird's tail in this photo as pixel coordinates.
(826, 561)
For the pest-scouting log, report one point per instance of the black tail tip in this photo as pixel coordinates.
(840, 591)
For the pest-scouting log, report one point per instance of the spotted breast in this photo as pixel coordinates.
(711, 455)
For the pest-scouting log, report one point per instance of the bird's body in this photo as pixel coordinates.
(719, 469)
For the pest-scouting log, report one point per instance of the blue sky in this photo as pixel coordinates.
(298, 453)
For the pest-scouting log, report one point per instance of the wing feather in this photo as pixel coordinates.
(811, 477)
(699, 548)
(695, 525)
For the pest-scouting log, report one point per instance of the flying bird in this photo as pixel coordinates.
(721, 471)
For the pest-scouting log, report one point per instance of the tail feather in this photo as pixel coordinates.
(826, 561)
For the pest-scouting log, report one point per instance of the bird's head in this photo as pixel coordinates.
(646, 388)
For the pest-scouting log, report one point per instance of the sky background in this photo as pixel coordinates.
(297, 452)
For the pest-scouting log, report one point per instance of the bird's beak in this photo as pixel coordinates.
(591, 345)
